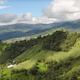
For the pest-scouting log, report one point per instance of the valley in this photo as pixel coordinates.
(23, 30)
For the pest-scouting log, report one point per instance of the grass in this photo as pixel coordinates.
(42, 67)
(36, 56)
(29, 58)
(3, 47)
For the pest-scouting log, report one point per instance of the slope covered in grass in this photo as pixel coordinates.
(51, 57)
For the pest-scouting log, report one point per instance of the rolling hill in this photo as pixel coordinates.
(52, 57)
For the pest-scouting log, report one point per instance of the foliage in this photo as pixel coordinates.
(51, 57)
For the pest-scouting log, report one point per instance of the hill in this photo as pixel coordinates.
(51, 57)
(23, 30)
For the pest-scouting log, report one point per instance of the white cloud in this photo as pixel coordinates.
(2, 1)
(25, 17)
(63, 10)
(58, 10)
(6, 19)
(2, 4)
(3, 7)
(43, 19)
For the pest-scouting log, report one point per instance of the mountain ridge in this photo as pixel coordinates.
(25, 29)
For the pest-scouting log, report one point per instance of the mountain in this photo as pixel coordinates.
(52, 57)
(26, 30)
(21, 30)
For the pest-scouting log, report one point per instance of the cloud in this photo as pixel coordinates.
(58, 10)
(26, 17)
(63, 10)
(6, 19)
(3, 7)
(13, 18)
(2, 4)
(2, 1)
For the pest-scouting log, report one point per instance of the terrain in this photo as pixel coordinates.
(54, 56)
(23, 30)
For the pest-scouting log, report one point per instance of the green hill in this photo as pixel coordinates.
(51, 57)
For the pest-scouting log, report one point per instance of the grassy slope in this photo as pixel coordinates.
(30, 57)
(35, 53)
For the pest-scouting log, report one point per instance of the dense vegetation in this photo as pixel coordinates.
(51, 57)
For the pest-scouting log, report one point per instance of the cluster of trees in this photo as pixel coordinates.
(58, 41)
(56, 71)
(53, 41)
(15, 49)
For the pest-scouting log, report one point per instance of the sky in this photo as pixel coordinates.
(24, 6)
(38, 11)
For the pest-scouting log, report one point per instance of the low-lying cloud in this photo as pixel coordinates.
(6, 19)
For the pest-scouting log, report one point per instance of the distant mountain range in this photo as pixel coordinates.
(23, 30)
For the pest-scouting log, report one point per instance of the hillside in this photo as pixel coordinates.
(23, 30)
(51, 57)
